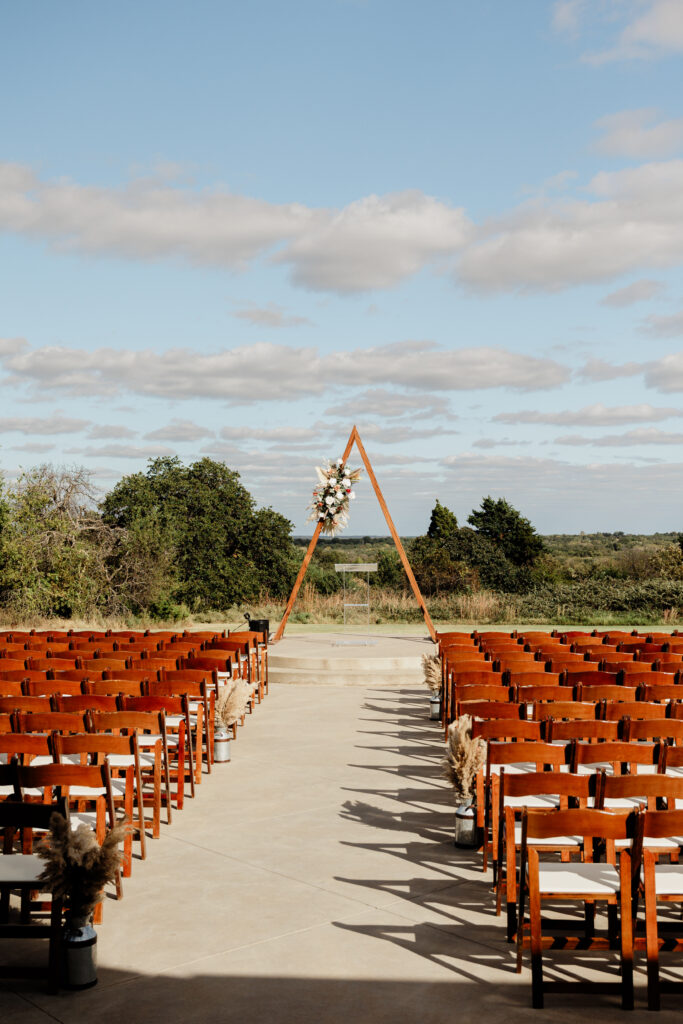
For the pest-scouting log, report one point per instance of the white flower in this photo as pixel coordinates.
(329, 500)
(340, 462)
(346, 481)
(352, 495)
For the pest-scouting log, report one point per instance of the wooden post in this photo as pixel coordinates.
(355, 439)
(397, 540)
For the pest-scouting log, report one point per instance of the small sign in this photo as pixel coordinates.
(355, 566)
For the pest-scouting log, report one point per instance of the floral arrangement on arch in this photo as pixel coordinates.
(330, 505)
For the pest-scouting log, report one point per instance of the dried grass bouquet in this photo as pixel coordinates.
(232, 702)
(77, 868)
(463, 759)
(431, 666)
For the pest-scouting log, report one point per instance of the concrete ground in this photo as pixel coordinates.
(314, 879)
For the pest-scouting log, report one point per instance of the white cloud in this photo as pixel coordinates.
(34, 447)
(270, 315)
(55, 424)
(663, 326)
(392, 404)
(372, 243)
(179, 430)
(638, 291)
(643, 435)
(634, 220)
(375, 242)
(492, 442)
(110, 431)
(600, 370)
(285, 435)
(657, 32)
(292, 372)
(666, 374)
(567, 16)
(637, 134)
(122, 451)
(597, 415)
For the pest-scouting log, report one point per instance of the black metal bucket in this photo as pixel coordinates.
(258, 625)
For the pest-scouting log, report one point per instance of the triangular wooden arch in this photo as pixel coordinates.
(355, 439)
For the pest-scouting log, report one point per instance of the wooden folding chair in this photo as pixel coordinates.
(150, 728)
(587, 882)
(20, 872)
(662, 883)
(126, 778)
(178, 734)
(201, 706)
(511, 793)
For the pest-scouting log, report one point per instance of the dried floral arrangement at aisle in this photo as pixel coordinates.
(330, 505)
(463, 759)
(232, 702)
(77, 868)
(431, 667)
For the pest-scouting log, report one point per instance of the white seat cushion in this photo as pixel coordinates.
(514, 769)
(593, 879)
(669, 879)
(20, 867)
(77, 818)
(548, 801)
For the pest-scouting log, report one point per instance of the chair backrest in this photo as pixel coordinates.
(132, 674)
(155, 662)
(586, 822)
(660, 825)
(9, 704)
(477, 678)
(94, 744)
(25, 745)
(102, 664)
(602, 692)
(562, 784)
(646, 787)
(541, 693)
(84, 702)
(188, 675)
(52, 686)
(12, 664)
(170, 705)
(47, 664)
(588, 730)
(514, 678)
(113, 687)
(491, 709)
(660, 693)
(616, 710)
(10, 688)
(570, 710)
(653, 729)
(577, 664)
(20, 814)
(506, 729)
(590, 678)
(74, 675)
(616, 753)
(525, 752)
(49, 721)
(117, 721)
(18, 675)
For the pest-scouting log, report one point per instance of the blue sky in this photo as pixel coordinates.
(237, 229)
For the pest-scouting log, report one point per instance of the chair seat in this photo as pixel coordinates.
(21, 869)
(668, 843)
(86, 792)
(624, 803)
(77, 818)
(669, 879)
(150, 739)
(593, 879)
(514, 769)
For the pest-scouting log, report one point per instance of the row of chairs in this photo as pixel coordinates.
(106, 749)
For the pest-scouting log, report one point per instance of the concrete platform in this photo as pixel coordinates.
(314, 881)
(349, 659)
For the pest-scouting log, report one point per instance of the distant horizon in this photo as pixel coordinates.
(458, 226)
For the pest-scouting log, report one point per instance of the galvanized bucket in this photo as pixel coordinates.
(80, 957)
(221, 746)
(466, 825)
(435, 709)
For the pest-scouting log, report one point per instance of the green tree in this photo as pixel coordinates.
(508, 530)
(224, 551)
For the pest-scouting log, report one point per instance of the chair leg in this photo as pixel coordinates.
(535, 925)
(626, 932)
(651, 936)
(55, 950)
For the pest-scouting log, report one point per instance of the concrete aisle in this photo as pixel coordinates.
(314, 879)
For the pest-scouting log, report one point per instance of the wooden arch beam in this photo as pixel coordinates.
(355, 439)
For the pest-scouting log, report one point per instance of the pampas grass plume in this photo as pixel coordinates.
(231, 703)
(77, 868)
(431, 666)
(464, 757)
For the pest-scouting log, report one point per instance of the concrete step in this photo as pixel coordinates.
(335, 677)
